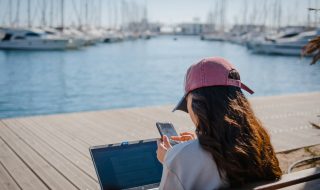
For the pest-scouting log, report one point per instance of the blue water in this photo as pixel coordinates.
(133, 74)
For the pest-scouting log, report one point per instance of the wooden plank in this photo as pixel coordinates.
(293, 179)
(296, 180)
(295, 139)
(309, 185)
(79, 171)
(113, 124)
(97, 128)
(123, 122)
(43, 126)
(81, 160)
(19, 171)
(6, 181)
(44, 171)
(86, 129)
(61, 124)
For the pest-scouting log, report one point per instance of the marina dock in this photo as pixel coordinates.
(52, 152)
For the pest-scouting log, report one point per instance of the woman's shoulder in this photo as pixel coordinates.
(181, 146)
(183, 151)
(193, 166)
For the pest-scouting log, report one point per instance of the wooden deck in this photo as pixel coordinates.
(51, 152)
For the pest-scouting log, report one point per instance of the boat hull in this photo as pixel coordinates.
(75, 43)
(294, 50)
(42, 44)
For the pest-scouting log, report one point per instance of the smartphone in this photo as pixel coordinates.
(168, 130)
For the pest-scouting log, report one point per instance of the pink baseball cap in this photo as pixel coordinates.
(212, 71)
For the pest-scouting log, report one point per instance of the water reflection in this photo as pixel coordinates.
(133, 73)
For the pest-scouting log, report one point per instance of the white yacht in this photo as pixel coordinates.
(75, 41)
(80, 37)
(285, 45)
(30, 39)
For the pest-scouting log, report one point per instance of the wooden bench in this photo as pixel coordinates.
(306, 179)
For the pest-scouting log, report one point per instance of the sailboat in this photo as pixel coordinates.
(30, 39)
(285, 45)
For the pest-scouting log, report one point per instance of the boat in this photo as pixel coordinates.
(30, 39)
(220, 37)
(113, 36)
(78, 38)
(285, 45)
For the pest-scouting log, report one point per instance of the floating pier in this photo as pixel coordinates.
(51, 152)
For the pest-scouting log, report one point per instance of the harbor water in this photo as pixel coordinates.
(134, 74)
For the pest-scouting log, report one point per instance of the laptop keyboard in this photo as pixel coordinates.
(154, 186)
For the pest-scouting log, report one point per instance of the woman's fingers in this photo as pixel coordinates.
(166, 142)
(158, 142)
(161, 145)
(182, 138)
(185, 133)
(176, 138)
(187, 137)
(161, 151)
(188, 133)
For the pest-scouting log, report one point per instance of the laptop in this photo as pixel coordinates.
(127, 165)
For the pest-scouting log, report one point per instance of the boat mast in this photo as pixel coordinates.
(216, 14)
(29, 14)
(316, 9)
(222, 15)
(10, 13)
(43, 19)
(274, 24)
(111, 14)
(100, 14)
(86, 13)
(17, 19)
(245, 11)
(254, 14)
(115, 4)
(279, 14)
(265, 13)
(78, 15)
(309, 6)
(51, 13)
(123, 14)
(62, 14)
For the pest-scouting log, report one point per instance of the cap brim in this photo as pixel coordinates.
(246, 88)
(182, 105)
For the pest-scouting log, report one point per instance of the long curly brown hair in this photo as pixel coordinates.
(229, 130)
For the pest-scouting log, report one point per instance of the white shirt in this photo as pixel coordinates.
(188, 166)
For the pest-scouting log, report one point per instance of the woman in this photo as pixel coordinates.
(230, 146)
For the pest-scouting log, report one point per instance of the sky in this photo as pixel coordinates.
(174, 11)
(115, 12)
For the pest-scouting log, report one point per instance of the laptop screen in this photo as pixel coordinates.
(127, 165)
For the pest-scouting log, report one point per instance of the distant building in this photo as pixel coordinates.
(194, 28)
(144, 25)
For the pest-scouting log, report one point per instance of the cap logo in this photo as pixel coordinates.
(233, 82)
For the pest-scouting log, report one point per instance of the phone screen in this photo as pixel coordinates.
(168, 130)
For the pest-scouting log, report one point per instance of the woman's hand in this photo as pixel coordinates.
(186, 136)
(163, 147)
